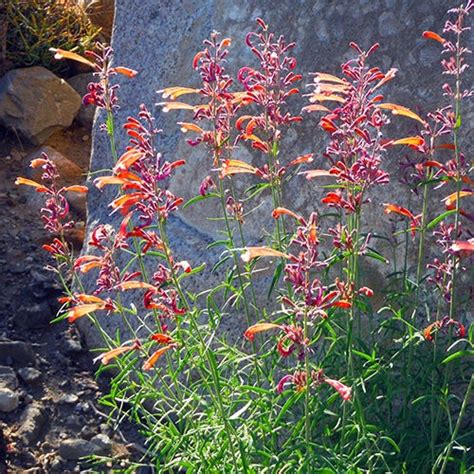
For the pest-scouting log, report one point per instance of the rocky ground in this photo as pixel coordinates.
(49, 411)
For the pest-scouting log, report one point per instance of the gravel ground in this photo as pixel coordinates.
(49, 413)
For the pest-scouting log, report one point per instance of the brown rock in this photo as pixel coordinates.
(35, 102)
(69, 172)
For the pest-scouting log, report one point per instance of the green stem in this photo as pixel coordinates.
(458, 425)
(212, 368)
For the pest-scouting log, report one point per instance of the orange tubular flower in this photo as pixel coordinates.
(162, 338)
(403, 212)
(86, 263)
(315, 108)
(434, 36)
(127, 159)
(125, 202)
(324, 97)
(174, 92)
(38, 162)
(83, 298)
(254, 252)
(62, 54)
(321, 76)
(190, 127)
(308, 158)
(281, 210)
(125, 71)
(400, 110)
(82, 310)
(112, 354)
(76, 189)
(450, 201)
(132, 285)
(317, 173)
(29, 182)
(151, 361)
(167, 106)
(464, 248)
(411, 141)
(231, 167)
(249, 334)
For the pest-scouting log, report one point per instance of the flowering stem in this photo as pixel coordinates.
(307, 419)
(243, 243)
(212, 366)
(457, 118)
(111, 133)
(462, 412)
(234, 255)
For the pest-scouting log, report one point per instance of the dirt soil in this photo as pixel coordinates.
(51, 375)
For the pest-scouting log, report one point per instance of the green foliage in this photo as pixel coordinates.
(34, 26)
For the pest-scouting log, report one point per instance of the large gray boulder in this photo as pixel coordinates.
(159, 39)
(35, 103)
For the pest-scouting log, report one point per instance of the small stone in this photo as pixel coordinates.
(27, 399)
(82, 407)
(8, 400)
(69, 399)
(74, 422)
(72, 346)
(55, 465)
(29, 375)
(17, 352)
(104, 428)
(73, 449)
(8, 378)
(33, 420)
(103, 442)
(88, 432)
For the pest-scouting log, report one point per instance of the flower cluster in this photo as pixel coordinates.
(309, 298)
(220, 104)
(103, 93)
(355, 126)
(300, 381)
(55, 213)
(443, 325)
(141, 170)
(269, 87)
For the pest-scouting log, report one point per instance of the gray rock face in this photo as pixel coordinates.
(165, 37)
(36, 103)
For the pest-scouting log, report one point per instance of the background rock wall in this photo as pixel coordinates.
(160, 38)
